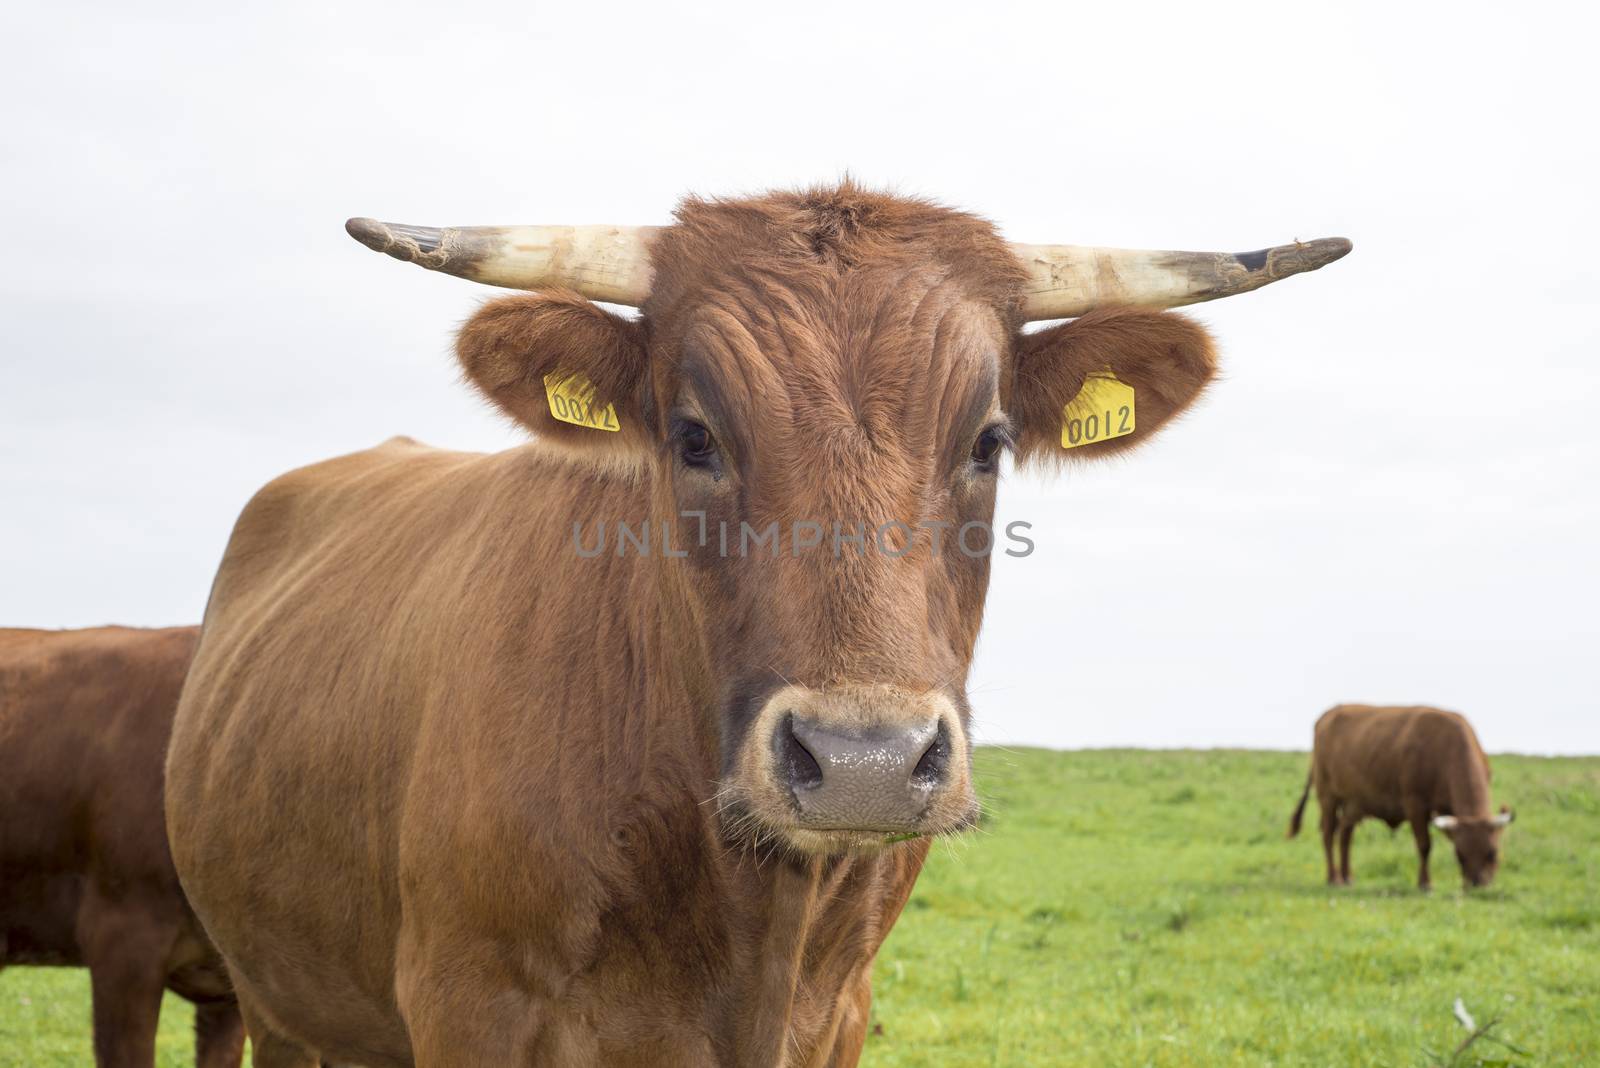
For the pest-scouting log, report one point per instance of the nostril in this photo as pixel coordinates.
(799, 767)
(931, 767)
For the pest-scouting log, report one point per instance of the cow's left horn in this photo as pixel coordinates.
(1068, 280)
(610, 263)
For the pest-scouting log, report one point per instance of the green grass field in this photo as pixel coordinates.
(1143, 908)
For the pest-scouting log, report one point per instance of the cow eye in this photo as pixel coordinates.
(695, 444)
(986, 450)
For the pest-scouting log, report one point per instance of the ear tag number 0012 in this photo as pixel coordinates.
(1102, 410)
(572, 401)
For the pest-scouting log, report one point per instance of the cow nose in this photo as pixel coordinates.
(875, 779)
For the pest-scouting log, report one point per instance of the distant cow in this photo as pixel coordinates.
(1404, 765)
(85, 874)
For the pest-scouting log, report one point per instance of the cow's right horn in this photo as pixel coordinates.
(610, 263)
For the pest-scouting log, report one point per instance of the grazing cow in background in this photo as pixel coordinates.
(451, 788)
(1403, 765)
(85, 874)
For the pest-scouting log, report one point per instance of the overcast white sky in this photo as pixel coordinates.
(1391, 497)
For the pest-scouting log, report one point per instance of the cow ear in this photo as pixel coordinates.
(569, 371)
(1165, 360)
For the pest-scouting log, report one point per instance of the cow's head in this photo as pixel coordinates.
(1477, 843)
(818, 394)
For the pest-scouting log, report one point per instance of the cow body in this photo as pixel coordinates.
(448, 791)
(85, 873)
(584, 885)
(1415, 765)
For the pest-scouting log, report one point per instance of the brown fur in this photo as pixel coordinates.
(85, 875)
(447, 794)
(1402, 765)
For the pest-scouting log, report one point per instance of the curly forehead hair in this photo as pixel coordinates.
(813, 235)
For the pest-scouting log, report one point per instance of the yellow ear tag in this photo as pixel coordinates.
(1102, 410)
(572, 401)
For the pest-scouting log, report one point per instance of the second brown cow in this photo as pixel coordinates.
(1415, 765)
(85, 874)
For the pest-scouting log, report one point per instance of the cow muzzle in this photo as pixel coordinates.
(847, 767)
(877, 778)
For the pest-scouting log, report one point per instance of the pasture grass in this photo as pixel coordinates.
(1133, 907)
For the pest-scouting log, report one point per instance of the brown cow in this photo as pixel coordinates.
(450, 787)
(1403, 765)
(85, 874)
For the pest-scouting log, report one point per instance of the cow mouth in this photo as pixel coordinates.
(746, 823)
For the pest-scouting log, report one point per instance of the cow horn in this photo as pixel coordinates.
(1068, 280)
(1445, 823)
(1504, 816)
(609, 263)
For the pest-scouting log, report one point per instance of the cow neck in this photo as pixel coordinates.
(777, 901)
(680, 692)
(761, 1009)
(1469, 783)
